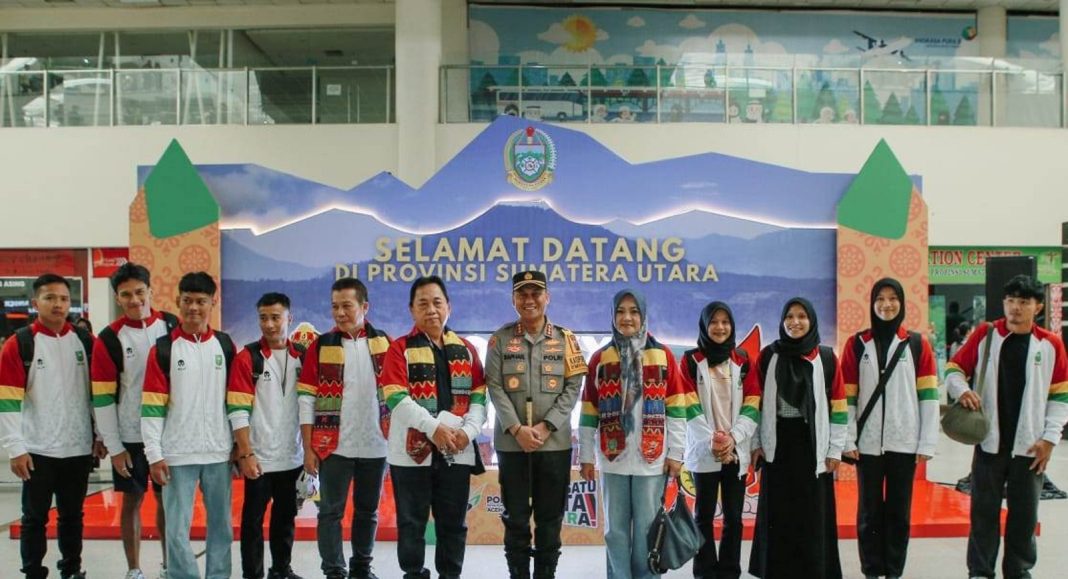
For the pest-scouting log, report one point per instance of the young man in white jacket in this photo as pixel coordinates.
(1025, 394)
(118, 374)
(46, 426)
(186, 431)
(261, 400)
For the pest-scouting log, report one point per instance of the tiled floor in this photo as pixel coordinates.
(928, 558)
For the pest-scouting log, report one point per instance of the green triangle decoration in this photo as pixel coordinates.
(877, 202)
(178, 200)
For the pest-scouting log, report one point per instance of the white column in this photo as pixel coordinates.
(419, 50)
(454, 51)
(992, 24)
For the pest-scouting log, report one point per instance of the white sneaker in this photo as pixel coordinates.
(135, 574)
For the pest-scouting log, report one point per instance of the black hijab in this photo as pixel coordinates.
(714, 353)
(793, 374)
(883, 331)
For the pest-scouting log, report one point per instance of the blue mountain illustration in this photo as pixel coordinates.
(694, 224)
(591, 184)
(481, 306)
(347, 237)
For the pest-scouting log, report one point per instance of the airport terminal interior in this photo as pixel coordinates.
(743, 150)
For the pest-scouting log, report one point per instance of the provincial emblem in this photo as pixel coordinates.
(529, 159)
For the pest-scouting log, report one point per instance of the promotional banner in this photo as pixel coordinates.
(108, 259)
(967, 265)
(527, 195)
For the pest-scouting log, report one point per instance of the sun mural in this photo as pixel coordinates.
(583, 33)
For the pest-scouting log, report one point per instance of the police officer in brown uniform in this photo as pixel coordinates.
(534, 372)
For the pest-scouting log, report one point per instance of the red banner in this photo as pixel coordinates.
(108, 259)
(33, 262)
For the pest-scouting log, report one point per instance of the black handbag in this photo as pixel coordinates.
(674, 537)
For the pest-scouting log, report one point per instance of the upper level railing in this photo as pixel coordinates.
(153, 96)
(965, 92)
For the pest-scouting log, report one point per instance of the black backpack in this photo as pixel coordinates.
(163, 353)
(24, 338)
(110, 338)
(258, 361)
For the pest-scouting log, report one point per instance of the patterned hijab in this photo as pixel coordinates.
(630, 355)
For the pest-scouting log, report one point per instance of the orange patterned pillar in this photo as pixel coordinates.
(174, 228)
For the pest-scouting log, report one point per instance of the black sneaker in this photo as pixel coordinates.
(78, 575)
(287, 574)
(369, 574)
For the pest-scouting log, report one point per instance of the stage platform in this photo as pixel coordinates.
(937, 511)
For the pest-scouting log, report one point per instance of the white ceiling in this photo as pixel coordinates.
(1012, 5)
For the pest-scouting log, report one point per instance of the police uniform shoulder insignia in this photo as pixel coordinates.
(574, 364)
(492, 342)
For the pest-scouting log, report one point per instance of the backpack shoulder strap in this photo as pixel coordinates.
(114, 347)
(170, 320)
(827, 360)
(743, 356)
(24, 337)
(257, 360)
(87, 344)
(228, 349)
(163, 355)
(915, 347)
(858, 346)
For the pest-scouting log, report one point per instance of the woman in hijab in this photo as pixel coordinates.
(633, 424)
(799, 443)
(725, 383)
(899, 431)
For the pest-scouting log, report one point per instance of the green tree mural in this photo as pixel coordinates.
(667, 74)
(806, 97)
(638, 77)
(566, 80)
(964, 115)
(911, 118)
(939, 109)
(892, 112)
(873, 110)
(825, 98)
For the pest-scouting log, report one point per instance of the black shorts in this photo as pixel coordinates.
(139, 481)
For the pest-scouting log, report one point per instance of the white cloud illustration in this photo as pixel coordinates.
(666, 51)
(691, 22)
(485, 46)
(1052, 44)
(835, 46)
(636, 22)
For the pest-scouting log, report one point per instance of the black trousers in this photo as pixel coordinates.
(711, 488)
(533, 483)
(442, 489)
(66, 479)
(884, 511)
(991, 474)
(279, 489)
